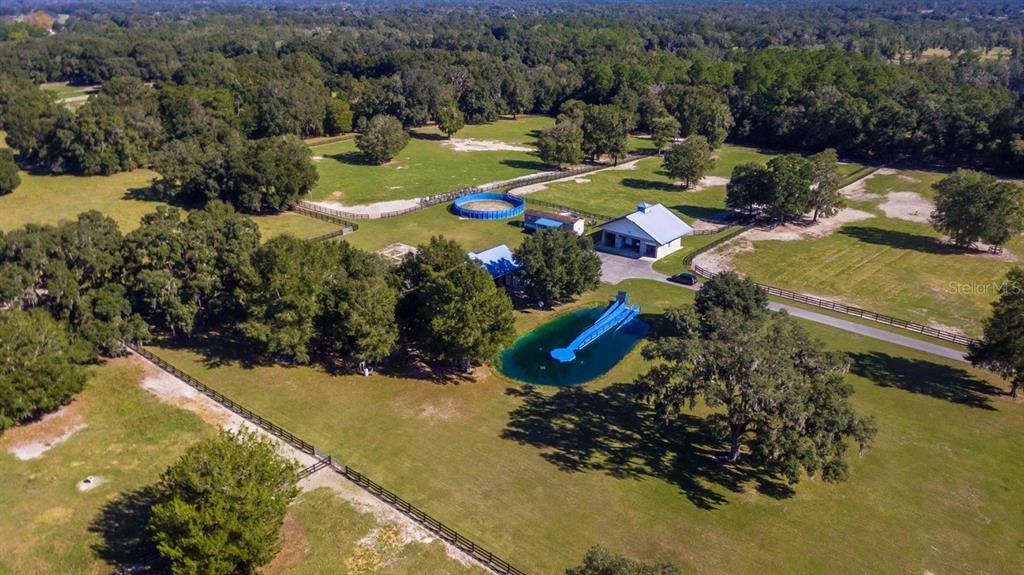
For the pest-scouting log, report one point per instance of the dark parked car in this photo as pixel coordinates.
(685, 278)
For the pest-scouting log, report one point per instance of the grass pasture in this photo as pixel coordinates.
(617, 191)
(889, 264)
(45, 199)
(540, 475)
(427, 166)
(418, 227)
(129, 437)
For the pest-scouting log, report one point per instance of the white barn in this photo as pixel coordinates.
(652, 231)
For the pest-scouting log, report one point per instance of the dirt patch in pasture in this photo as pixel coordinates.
(943, 327)
(720, 259)
(630, 165)
(408, 530)
(176, 392)
(468, 145)
(294, 546)
(32, 440)
(857, 191)
(909, 206)
(374, 551)
(173, 391)
(371, 210)
(705, 183)
(441, 410)
(582, 181)
(806, 229)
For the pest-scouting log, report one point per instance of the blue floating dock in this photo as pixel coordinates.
(618, 314)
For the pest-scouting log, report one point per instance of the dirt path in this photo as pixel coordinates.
(171, 390)
(378, 209)
(470, 145)
(578, 178)
(33, 440)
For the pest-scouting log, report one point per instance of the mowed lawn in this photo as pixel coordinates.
(616, 191)
(428, 166)
(129, 437)
(539, 475)
(889, 264)
(42, 199)
(418, 227)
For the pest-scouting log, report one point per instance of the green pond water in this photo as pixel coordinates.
(529, 359)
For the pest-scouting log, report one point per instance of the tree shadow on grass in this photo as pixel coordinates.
(903, 240)
(531, 165)
(607, 430)
(717, 215)
(229, 349)
(639, 184)
(428, 136)
(353, 158)
(924, 377)
(121, 525)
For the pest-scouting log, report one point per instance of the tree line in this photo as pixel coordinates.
(604, 72)
(288, 299)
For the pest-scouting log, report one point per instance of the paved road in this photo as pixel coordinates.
(615, 269)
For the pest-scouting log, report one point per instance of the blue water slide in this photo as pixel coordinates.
(618, 314)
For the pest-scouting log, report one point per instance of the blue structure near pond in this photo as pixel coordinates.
(516, 204)
(618, 314)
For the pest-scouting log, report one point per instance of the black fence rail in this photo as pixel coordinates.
(430, 201)
(322, 464)
(860, 174)
(590, 217)
(453, 537)
(711, 231)
(492, 561)
(326, 214)
(714, 244)
(854, 311)
(251, 416)
(324, 140)
(331, 235)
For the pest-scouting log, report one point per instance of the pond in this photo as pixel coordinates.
(529, 359)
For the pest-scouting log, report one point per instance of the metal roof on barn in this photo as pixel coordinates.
(650, 222)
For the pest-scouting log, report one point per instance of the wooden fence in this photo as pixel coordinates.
(590, 217)
(714, 244)
(711, 231)
(854, 311)
(251, 416)
(430, 201)
(492, 561)
(314, 211)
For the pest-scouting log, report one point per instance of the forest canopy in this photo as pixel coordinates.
(890, 81)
